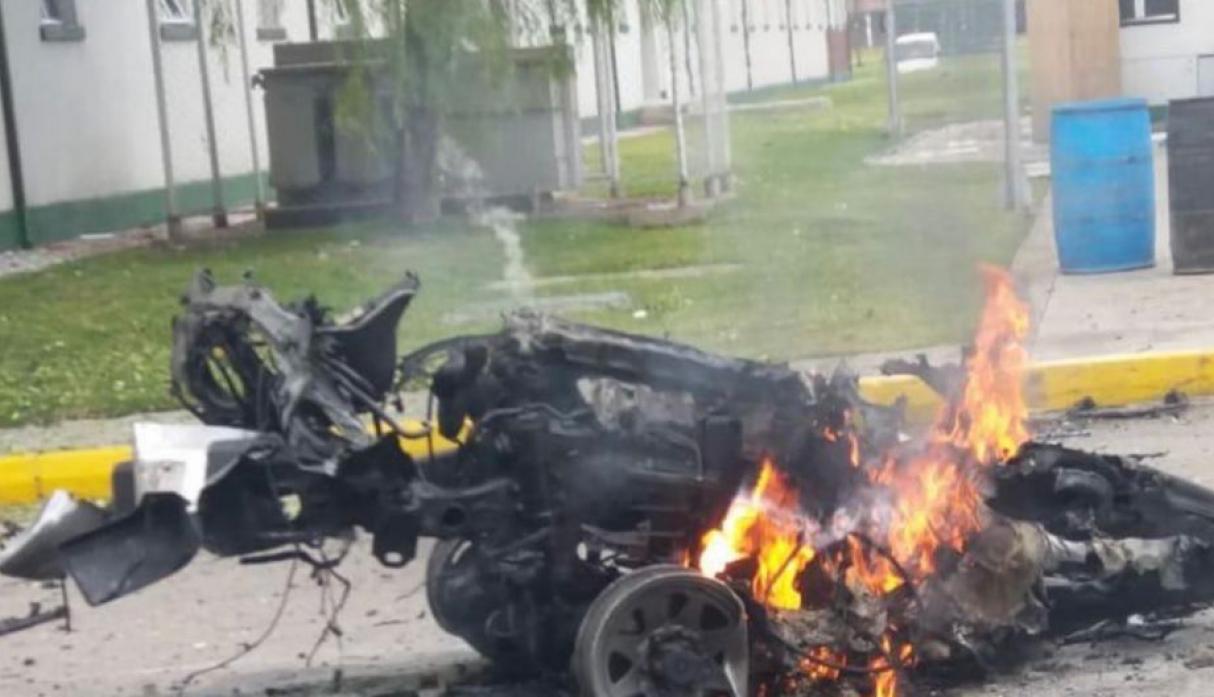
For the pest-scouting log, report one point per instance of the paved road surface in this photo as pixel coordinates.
(144, 644)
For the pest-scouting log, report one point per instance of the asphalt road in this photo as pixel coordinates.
(148, 643)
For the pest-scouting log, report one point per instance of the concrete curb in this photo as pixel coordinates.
(1050, 386)
(1055, 385)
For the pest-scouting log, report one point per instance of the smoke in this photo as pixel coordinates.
(464, 176)
(518, 280)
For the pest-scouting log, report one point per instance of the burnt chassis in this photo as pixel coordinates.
(568, 475)
(581, 457)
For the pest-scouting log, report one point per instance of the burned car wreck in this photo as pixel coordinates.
(561, 457)
(646, 517)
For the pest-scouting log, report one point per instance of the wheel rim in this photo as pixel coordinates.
(663, 630)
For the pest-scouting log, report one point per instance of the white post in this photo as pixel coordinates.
(724, 157)
(259, 201)
(172, 218)
(1016, 186)
(709, 81)
(604, 82)
(218, 215)
(680, 143)
(891, 70)
(868, 29)
(792, 46)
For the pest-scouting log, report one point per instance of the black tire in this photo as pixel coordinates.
(647, 591)
(444, 555)
(447, 556)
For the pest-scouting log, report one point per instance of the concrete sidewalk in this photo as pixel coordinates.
(1124, 313)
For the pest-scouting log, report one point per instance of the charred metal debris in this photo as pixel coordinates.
(570, 474)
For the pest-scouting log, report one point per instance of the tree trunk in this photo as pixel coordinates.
(420, 197)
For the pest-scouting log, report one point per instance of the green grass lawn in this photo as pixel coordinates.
(837, 256)
(834, 256)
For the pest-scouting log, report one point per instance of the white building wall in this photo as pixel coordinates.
(628, 56)
(812, 61)
(1159, 62)
(86, 109)
(735, 46)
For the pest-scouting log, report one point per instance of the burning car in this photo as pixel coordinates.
(650, 518)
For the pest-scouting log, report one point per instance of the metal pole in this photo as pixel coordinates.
(613, 142)
(1017, 187)
(750, 85)
(313, 28)
(172, 217)
(605, 94)
(218, 215)
(792, 46)
(724, 133)
(680, 144)
(891, 70)
(709, 83)
(259, 201)
(16, 173)
(615, 73)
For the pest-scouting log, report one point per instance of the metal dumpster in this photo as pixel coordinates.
(519, 139)
(1191, 184)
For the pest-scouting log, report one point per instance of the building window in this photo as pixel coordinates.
(59, 21)
(1149, 11)
(176, 21)
(269, 21)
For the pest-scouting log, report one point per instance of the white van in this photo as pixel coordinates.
(919, 51)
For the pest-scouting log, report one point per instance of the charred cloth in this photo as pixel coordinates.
(619, 515)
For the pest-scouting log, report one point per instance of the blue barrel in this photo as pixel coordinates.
(1104, 186)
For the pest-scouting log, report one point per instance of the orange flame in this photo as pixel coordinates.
(885, 676)
(990, 420)
(765, 524)
(936, 500)
(820, 663)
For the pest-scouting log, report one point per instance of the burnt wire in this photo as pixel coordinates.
(803, 654)
(330, 607)
(907, 581)
(253, 645)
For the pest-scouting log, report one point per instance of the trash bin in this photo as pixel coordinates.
(1191, 184)
(1104, 186)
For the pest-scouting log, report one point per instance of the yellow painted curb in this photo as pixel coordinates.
(1049, 386)
(28, 477)
(1056, 385)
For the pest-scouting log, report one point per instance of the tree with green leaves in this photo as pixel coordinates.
(429, 56)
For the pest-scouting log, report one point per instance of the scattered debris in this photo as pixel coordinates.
(35, 617)
(1174, 403)
(631, 516)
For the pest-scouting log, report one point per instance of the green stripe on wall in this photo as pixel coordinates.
(8, 230)
(63, 221)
